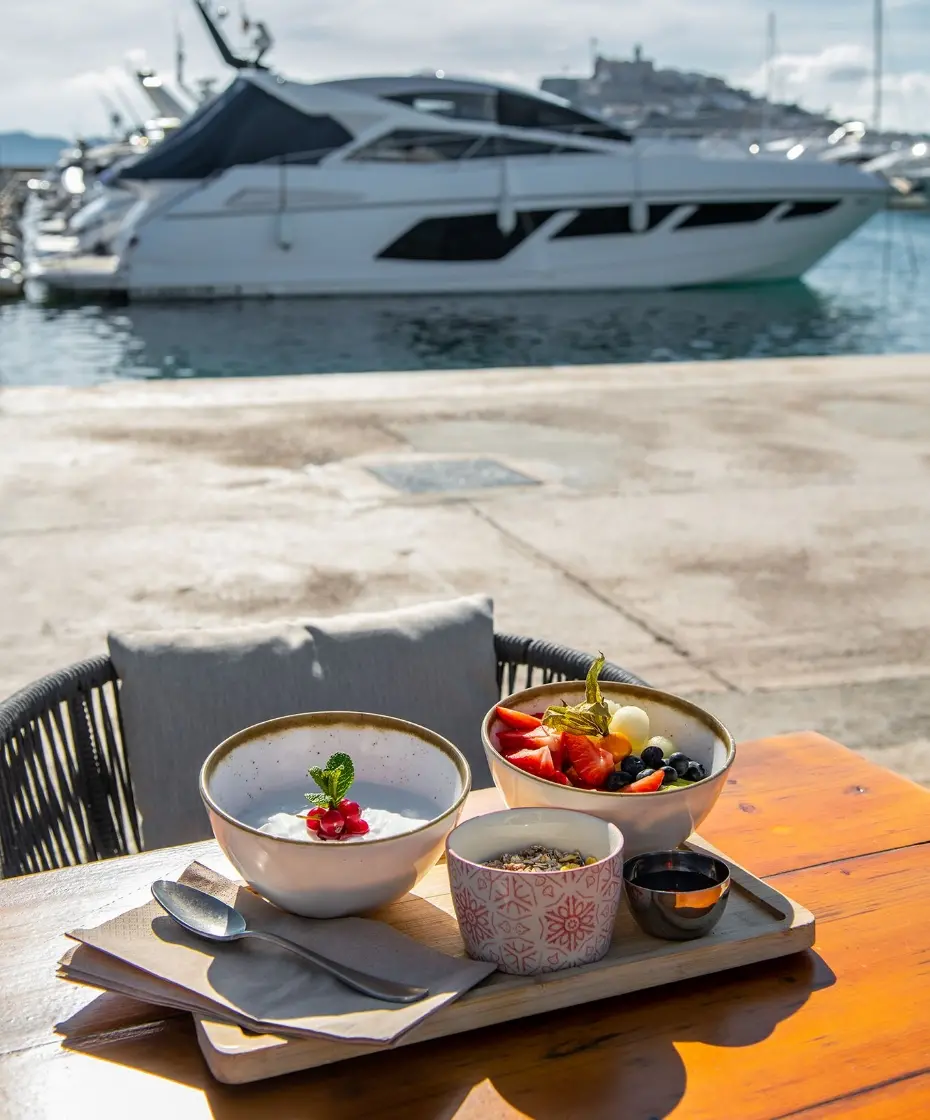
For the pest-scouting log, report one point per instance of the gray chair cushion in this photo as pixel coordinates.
(184, 692)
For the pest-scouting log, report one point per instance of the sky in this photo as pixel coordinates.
(58, 57)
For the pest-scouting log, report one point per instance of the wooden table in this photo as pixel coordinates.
(840, 1032)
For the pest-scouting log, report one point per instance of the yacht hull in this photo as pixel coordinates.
(318, 261)
(587, 221)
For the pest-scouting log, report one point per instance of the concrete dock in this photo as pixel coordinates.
(755, 535)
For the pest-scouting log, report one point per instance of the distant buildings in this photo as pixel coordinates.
(635, 94)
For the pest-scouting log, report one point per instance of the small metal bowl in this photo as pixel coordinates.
(676, 912)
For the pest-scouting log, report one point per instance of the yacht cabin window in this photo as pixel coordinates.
(462, 105)
(509, 108)
(519, 110)
(405, 146)
(242, 125)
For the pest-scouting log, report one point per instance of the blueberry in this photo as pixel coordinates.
(632, 765)
(617, 781)
(680, 761)
(645, 774)
(695, 772)
(652, 756)
(671, 775)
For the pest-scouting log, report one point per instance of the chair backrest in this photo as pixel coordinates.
(183, 693)
(65, 792)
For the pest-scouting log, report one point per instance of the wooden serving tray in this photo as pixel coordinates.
(759, 923)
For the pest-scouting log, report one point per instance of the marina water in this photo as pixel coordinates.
(871, 295)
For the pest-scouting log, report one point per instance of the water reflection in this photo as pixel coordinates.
(252, 338)
(860, 300)
(352, 335)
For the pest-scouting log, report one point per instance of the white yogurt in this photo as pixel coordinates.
(381, 824)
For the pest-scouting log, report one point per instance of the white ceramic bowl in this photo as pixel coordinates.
(398, 766)
(649, 821)
(528, 922)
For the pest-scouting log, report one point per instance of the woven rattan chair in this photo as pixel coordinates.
(65, 788)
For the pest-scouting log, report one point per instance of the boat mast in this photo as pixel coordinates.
(179, 57)
(769, 73)
(877, 30)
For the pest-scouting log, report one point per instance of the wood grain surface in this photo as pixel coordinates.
(836, 1032)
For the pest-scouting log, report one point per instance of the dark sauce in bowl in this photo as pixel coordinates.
(674, 880)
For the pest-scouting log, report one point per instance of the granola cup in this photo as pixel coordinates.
(531, 922)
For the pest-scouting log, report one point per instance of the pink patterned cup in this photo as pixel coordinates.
(528, 922)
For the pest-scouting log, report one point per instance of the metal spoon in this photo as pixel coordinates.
(209, 917)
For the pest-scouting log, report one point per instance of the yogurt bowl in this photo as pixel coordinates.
(649, 821)
(410, 782)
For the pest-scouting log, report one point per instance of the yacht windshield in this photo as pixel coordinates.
(509, 108)
(242, 125)
(519, 110)
(463, 105)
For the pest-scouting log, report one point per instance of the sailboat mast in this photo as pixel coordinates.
(178, 56)
(769, 72)
(877, 31)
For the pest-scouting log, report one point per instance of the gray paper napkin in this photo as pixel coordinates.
(266, 988)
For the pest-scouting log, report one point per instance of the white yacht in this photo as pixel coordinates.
(426, 184)
(64, 212)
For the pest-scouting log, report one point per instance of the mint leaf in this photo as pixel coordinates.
(324, 779)
(344, 773)
(334, 780)
(321, 778)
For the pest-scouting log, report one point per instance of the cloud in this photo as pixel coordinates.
(92, 81)
(47, 81)
(843, 62)
(845, 74)
(839, 78)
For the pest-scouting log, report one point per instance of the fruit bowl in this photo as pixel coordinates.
(649, 821)
(400, 769)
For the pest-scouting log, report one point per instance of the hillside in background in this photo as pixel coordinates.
(23, 149)
(635, 93)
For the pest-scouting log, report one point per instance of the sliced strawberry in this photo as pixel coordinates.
(509, 741)
(562, 779)
(519, 721)
(557, 749)
(538, 762)
(646, 785)
(576, 781)
(591, 762)
(546, 737)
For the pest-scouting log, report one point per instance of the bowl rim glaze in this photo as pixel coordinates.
(618, 843)
(644, 692)
(332, 719)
